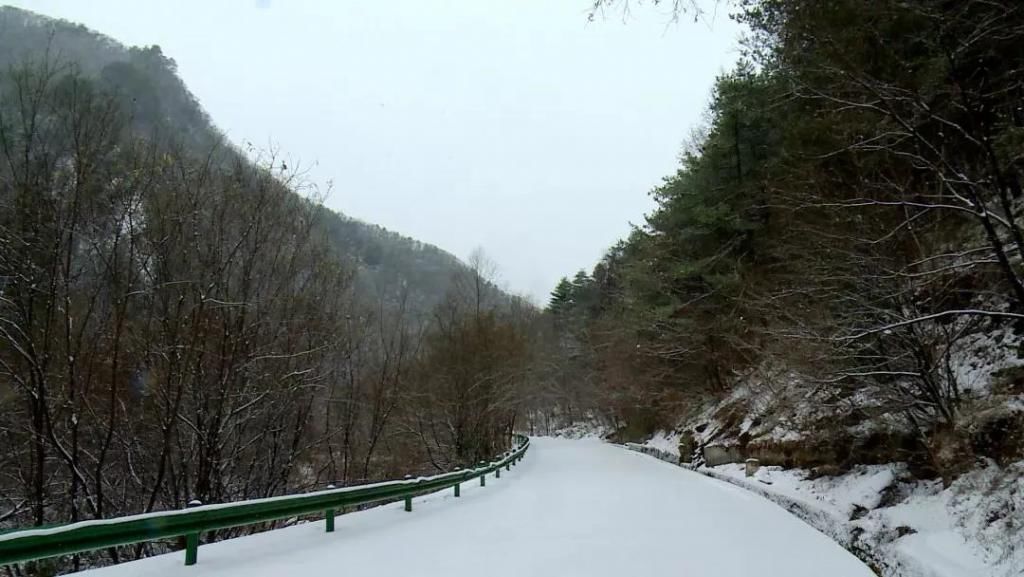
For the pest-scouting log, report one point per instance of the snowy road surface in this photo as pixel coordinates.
(569, 508)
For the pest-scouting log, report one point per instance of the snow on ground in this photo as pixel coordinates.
(571, 507)
(843, 495)
(591, 429)
(914, 528)
(977, 357)
(667, 442)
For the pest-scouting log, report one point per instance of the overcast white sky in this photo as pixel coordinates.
(511, 125)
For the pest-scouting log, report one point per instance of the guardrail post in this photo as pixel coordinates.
(483, 478)
(408, 500)
(329, 516)
(192, 539)
(458, 484)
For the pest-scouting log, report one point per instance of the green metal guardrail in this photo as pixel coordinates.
(33, 544)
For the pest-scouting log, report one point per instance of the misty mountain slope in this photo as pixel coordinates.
(161, 105)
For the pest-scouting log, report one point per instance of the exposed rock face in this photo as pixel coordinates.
(721, 454)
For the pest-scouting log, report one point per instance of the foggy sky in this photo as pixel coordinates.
(511, 125)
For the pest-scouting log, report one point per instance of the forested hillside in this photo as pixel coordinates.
(145, 83)
(181, 319)
(832, 281)
(835, 268)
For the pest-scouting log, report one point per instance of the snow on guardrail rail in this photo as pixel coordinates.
(42, 543)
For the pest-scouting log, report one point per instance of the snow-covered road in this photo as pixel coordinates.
(570, 508)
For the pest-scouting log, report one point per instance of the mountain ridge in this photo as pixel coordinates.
(160, 100)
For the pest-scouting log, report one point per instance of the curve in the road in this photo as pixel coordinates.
(570, 508)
